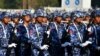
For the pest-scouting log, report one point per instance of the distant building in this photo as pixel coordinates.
(76, 4)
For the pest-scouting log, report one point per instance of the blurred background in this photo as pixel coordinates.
(29, 4)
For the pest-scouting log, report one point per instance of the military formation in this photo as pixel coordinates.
(57, 33)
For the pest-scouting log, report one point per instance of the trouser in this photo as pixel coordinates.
(94, 52)
(25, 50)
(97, 53)
(3, 52)
(80, 51)
(7, 52)
(76, 51)
(17, 50)
(10, 52)
(68, 51)
(36, 52)
(56, 51)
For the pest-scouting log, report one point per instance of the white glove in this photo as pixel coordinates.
(89, 29)
(86, 43)
(44, 47)
(48, 32)
(12, 45)
(66, 44)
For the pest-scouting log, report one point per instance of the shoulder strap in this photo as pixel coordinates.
(56, 27)
(78, 33)
(37, 30)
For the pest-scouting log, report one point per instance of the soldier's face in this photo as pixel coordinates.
(39, 19)
(16, 20)
(87, 18)
(68, 20)
(79, 20)
(97, 19)
(27, 18)
(6, 20)
(45, 20)
(33, 20)
(9, 19)
(58, 19)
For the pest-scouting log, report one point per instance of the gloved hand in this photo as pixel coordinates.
(9, 46)
(48, 32)
(44, 47)
(12, 45)
(86, 43)
(66, 44)
(89, 29)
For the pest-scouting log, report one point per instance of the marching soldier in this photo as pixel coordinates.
(57, 33)
(6, 41)
(87, 19)
(77, 31)
(66, 41)
(39, 47)
(23, 34)
(45, 23)
(94, 33)
(15, 19)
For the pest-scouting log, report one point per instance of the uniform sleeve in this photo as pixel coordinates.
(33, 39)
(73, 35)
(1, 31)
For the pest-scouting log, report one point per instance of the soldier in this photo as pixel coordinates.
(57, 33)
(66, 20)
(66, 41)
(39, 47)
(23, 34)
(45, 23)
(94, 33)
(6, 41)
(15, 19)
(77, 32)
